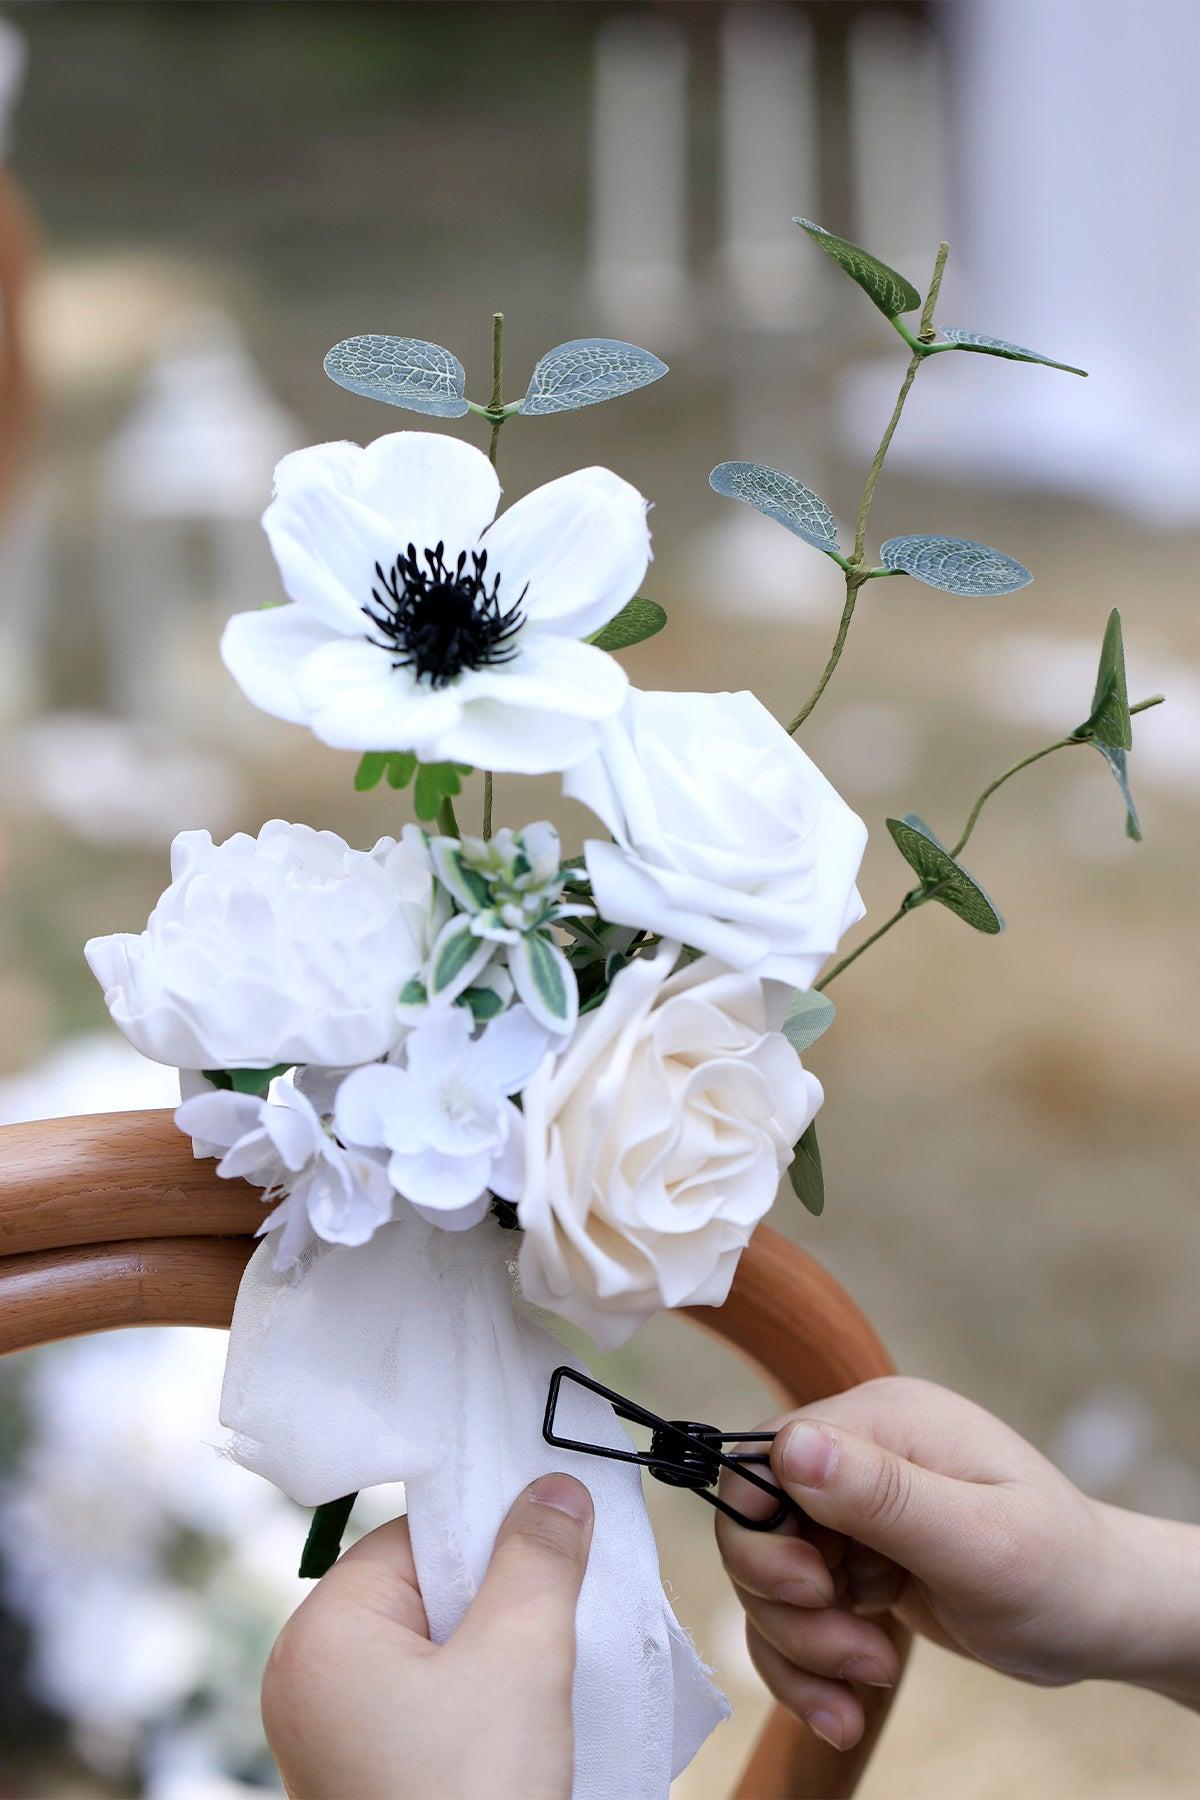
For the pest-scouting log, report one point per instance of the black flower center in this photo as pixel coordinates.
(438, 620)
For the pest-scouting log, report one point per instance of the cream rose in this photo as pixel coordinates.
(727, 836)
(654, 1144)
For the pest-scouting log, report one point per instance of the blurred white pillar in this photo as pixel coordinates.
(899, 128)
(638, 249)
(1075, 161)
(769, 166)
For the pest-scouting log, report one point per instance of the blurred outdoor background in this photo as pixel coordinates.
(219, 192)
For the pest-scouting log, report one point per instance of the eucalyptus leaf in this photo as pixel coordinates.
(1109, 722)
(780, 497)
(943, 879)
(891, 292)
(586, 371)
(1116, 760)
(808, 1017)
(956, 565)
(637, 620)
(992, 346)
(400, 371)
(806, 1175)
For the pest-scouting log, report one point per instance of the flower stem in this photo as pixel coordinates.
(918, 896)
(487, 803)
(496, 398)
(856, 575)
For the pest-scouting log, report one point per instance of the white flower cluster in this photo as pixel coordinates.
(446, 1022)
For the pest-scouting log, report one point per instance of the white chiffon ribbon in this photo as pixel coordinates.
(415, 1360)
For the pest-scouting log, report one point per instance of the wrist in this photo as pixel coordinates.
(1153, 1582)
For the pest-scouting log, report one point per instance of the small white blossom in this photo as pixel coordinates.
(280, 1144)
(418, 624)
(446, 1118)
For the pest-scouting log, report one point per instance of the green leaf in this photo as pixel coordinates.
(780, 497)
(400, 371)
(371, 768)
(436, 782)
(401, 767)
(1109, 722)
(992, 346)
(413, 992)
(891, 293)
(637, 620)
(545, 981)
(586, 371)
(1115, 758)
(806, 1174)
(943, 879)
(456, 958)
(484, 1003)
(245, 1081)
(466, 885)
(956, 565)
(809, 1016)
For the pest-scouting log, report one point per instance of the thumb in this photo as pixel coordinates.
(927, 1523)
(524, 1612)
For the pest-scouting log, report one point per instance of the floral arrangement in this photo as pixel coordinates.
(462, 1047)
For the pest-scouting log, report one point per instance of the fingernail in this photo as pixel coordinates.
(827, 1725)
(802, 1593)
(565, 1495)
(808, 1455)
(866, 1670)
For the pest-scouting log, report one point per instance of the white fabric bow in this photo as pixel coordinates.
(417, 1361)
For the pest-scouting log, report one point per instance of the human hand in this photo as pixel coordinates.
(928, 1509)
(357, 1701)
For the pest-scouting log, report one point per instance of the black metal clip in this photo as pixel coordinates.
(681, 1454)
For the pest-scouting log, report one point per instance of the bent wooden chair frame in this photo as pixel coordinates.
(109, 1221)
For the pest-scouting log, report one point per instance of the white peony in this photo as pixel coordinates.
(281, 1144)
(418, 624)
(285, 948)
(654, 1144)
(446, 1119)
(727, 836)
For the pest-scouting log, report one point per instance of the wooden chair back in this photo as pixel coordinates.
(109, 1221)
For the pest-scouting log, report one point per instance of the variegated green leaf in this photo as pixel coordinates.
(992, 346)
(586, 371)
(545, 981)
(892, 293)
(780, 497)
(456, 958)
(943, 879)
(956, 565)
(400, 371)
(464, 883)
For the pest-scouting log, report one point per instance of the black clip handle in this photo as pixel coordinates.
(682, 1453)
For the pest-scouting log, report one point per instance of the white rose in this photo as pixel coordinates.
(285, 948)
(727, 836)
(654, 1145)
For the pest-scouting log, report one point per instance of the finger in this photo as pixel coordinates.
(524, 1612)
(832, 1643)
(829, 1708)
(774, 1565)
(925, 1522)
(736, 1491)
(377, 1576)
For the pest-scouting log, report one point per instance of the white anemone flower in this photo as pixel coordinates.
(418, 624)
(446, 1118)
(281, 1144)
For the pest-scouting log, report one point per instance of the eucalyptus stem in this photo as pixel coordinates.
(918, 896)
(856, 575)
(496, 398)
